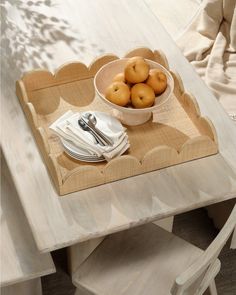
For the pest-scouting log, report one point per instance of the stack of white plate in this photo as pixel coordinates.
(79, 153)
(80, 145)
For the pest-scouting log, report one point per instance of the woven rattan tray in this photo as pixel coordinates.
(179, 135)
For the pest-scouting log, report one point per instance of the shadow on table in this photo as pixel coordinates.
(160, 191)
(138, 199)
(28, 31)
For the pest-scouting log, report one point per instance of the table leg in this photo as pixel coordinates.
(219, 213)
(79, 252)
(166, 223)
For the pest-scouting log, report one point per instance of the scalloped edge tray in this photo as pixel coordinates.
(85, 176)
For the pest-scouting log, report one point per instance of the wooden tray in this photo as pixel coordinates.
(180, 134)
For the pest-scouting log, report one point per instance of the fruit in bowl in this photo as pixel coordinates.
(157, 80)
(118, 93)
(136, 70)
(121, 78)
(142, 96)
(144, 83)
(135, 107)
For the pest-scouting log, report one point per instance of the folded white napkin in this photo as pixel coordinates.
(67, 128)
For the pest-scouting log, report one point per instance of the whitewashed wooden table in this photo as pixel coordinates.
(82, 30)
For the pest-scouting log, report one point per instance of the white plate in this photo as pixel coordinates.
(71, 147)
(91, 160)
(81, 157)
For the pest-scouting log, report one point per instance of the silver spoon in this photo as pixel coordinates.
(92, 121)
(85, 127)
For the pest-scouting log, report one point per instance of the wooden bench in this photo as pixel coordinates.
(21, 263)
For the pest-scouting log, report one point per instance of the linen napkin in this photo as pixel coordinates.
(67, 128)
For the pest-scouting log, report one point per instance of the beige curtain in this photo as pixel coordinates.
(209, 43)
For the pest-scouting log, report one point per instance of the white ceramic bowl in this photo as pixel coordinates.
(127, 115)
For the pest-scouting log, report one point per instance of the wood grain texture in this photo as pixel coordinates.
(180, 132)
(58, 222)
(146, 259)
(20, 259)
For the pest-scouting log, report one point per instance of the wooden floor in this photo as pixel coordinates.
(194, 227)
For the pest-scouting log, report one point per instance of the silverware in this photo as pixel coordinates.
(84, 125)
(92, 121)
